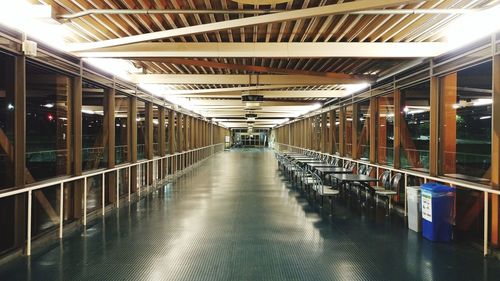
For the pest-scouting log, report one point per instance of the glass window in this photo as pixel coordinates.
(385, 134)
(363, 130)
(47, 130)
(94, 141)
(141, 130)
(348, 131)
(466, 99)
(121, 128)
(7, 108)
(415, 103)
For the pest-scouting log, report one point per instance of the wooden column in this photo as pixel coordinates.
(397, 129)
(132, 125)
(109, 130)
(149, 139)
(77, 85)
(495, 153)
(20, 149)
(448, 119)
(171, 141)
(354, 134)
(162, 141)
(434, 127)
(373, 129)
(324, 134)
(342, 131)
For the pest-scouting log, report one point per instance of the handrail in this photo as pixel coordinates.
(66, 179)
(101, 172)
(452, 182)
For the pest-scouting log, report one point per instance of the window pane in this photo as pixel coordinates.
(415, 103)
(7, 108)
(385, 134)
(466, 123)
(363, 130)
(47, 131)
(121, 128)
(141, 130)
(94, 146)
(348, 131)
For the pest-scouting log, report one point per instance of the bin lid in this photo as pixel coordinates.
(437, 188)
(413, 188)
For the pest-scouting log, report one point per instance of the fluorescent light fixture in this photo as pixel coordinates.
(252, 104)
(418, 111)
(88, 111)
(473, 26)
(48, 105)
(36, 21)
(480, 102)
(485, 117)
(118, 67)
(354, 88)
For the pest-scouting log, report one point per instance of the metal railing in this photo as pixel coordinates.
(192, 156)
(426, 177)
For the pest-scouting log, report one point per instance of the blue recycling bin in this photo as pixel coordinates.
(437, 211)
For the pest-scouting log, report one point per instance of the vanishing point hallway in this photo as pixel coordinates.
(234, 218)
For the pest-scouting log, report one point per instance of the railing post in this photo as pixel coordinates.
(103, 192)
(84, 201)
(486, 221)
(61, 210)
(28, 234)
(117, 188)
(129, 183)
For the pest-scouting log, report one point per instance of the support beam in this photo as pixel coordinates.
(243, 79)
(397, 129)
(162, 90)
(249, 68)
(495, 153)
(326, 10)
(434, 127)
(272, 50)
(132, 125)
(276, 94)
(19, 153)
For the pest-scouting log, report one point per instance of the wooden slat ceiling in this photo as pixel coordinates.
(335, 28)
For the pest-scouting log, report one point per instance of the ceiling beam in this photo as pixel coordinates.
(277, 94)
(250, 68)
(170, 92)
(326, 10)
(221, 103)
(272, 50)
(240, 79)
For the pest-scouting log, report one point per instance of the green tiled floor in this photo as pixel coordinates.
(235, 218)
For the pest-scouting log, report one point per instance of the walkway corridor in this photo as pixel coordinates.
(234, 218)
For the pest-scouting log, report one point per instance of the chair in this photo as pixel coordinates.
(392, 190)
(368, 170)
